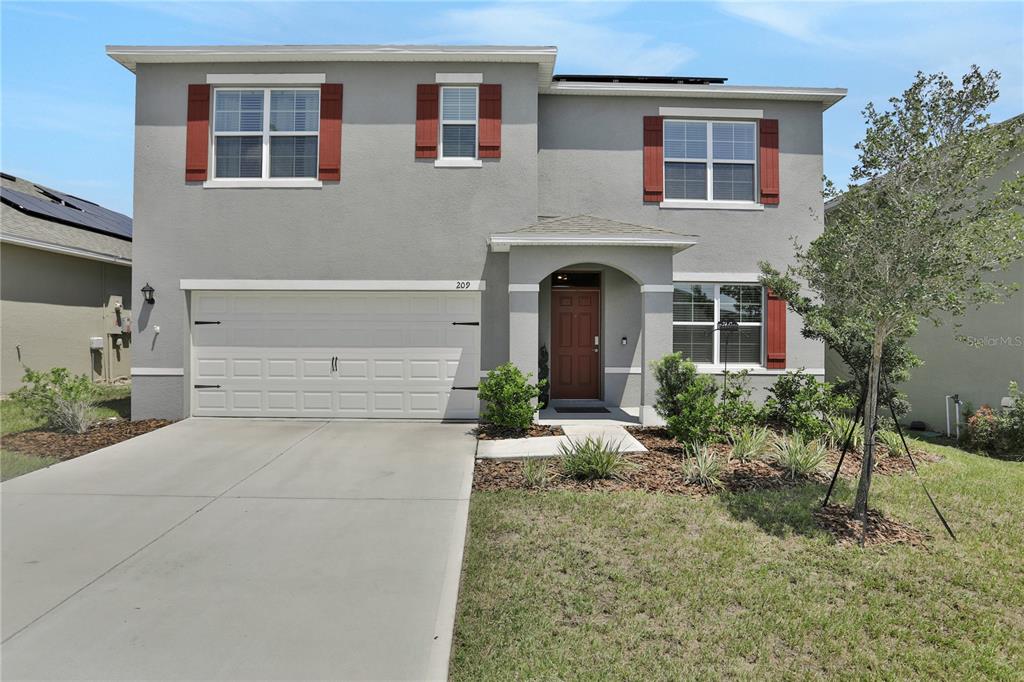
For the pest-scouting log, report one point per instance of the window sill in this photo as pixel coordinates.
(458, 163)
(289, 183)
(716, 205)
(754, 370)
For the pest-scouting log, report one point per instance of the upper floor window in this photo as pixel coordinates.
(266, 133)
(458, 122)
(710, 160)
(701, 322)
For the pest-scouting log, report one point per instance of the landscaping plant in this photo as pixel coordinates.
(999, 434)
(917, 234)
(64, 401)
(839, 429)
(536, 473)
(703, 466)
(685, 399)
(508, 397)
(750, 442)
(592, 458)
(735, 409)
(891, 440)
(798, 456)
(798, 402)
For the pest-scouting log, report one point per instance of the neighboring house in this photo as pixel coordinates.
(361, 231)
(65, 284)
(979, 367)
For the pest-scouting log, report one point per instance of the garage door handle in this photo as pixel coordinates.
(206, 322)
(467, 324)
(465, 388)
(205, 385)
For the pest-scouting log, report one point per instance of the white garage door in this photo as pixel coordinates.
(335, 354)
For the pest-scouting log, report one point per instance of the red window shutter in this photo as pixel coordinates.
(426, 120)
(197, 133)
(330, 131)
(769, 134)
(490, 121)
(776, 332)
(654, 159)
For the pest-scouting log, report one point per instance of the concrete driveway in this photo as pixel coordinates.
(240, 549)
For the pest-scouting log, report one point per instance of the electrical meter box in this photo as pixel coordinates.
(96, 342)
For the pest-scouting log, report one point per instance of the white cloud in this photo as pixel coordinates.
(586, 36)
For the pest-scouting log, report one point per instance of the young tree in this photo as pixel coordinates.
(917, 235)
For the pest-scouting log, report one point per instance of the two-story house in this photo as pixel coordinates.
(362, 231)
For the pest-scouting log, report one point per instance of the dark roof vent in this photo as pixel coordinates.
(659, 80)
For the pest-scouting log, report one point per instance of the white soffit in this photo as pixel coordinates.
(543, 56)
(827, 96)
(716, 277)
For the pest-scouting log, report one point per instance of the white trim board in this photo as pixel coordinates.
(263, 183)
(266, 78)
(65, 250)
(523, 288)
(657, 288)
(758, 370)
(622, 370)
(333, 284)
(158, 372)
(715, 277)
(459, 78)
(709, 112)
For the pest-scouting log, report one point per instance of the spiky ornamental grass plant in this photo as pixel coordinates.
(592, 458)
(703, 466)
(799, 457)
(840, 428)
(918, 235)
(749, 442)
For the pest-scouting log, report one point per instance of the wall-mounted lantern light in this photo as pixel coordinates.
(147, 291)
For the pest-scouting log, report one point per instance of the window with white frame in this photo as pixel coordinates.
(266, 133)
(710, 160)
(458, 122)
(701, 323)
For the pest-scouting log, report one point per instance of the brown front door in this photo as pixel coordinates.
(575, 360)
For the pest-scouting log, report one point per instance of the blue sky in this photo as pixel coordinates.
(67, 109)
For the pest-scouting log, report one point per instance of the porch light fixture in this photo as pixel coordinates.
(147, 292)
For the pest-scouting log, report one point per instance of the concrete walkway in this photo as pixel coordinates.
(547, 446)
(240, 549)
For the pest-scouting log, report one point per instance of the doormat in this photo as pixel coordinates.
(581, 410)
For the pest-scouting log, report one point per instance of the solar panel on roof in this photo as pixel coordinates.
(80, 213)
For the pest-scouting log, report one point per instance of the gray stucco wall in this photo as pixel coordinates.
(390, 217)
(51, 305)
(591, 161)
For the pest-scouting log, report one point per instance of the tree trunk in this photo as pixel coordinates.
(860, 507)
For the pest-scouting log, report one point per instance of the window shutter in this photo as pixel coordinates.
(654, 159)
(490, 121)
(769, 133)
(197, 133)
(426, 120)
(330, 131)
(776, 332)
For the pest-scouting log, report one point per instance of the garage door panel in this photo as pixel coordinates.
(340, 354)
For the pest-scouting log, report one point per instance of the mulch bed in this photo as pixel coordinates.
(491, 432)
(839, 521)
(70, 445)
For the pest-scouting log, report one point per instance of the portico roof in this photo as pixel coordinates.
(588, 230)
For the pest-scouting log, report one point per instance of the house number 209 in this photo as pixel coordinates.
(462, 285)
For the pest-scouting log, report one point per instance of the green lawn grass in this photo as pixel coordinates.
(114, 401)
(564, 585)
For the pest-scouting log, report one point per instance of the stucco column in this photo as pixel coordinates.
(656, 343)
(523, 330)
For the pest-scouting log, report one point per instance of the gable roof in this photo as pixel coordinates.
(588, 230)
(39, 217)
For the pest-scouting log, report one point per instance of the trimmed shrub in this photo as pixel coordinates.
(735, 410)
(64, 401)
(508, 397)
(592, 458)
(749, 443)
(797, 456)
(674, 374)
(798, 402)
(703, 466)
(685, 399)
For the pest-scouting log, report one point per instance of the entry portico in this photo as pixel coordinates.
(628, 269)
